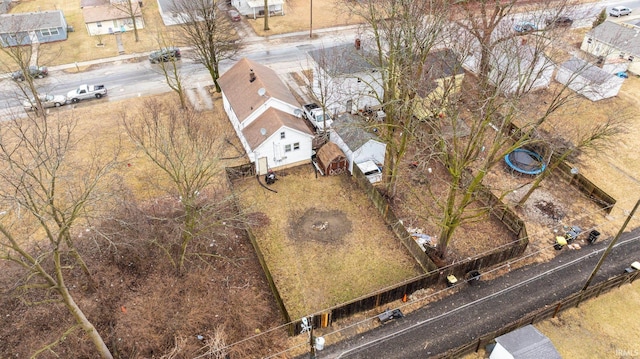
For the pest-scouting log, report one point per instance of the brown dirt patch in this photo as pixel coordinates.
(320, 225)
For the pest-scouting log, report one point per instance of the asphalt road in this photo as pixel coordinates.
(475, 310)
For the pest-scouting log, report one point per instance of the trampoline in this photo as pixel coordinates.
(525, 161)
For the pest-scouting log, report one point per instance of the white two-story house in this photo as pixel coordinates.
(265, 116)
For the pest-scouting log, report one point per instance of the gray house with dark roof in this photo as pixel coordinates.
(613, 42)
(345, 78)
(266, 116)
(524, 343)
(32, 27)
(350, 133)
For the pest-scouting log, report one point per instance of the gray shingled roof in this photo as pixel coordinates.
(624, 38)
(528, 343)
(12, 23)
(595, 74)
(352, 131)
(343, 60)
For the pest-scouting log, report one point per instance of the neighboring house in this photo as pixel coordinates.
(255, 8)
(32, 27)
(266, 117)
(442, 73)
(346, 79)
(102, 18)
(515, 67)
(358, 144)
(4, 6)
(524, 343)
(588, 80)
(168, 13)
(612, 42)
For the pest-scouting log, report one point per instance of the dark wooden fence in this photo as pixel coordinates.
(243, 171)
(433, 275)
(542, 314)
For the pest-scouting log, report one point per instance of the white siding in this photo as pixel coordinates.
(113, 25)
(363, 89)
(588, 88)
(274, 149)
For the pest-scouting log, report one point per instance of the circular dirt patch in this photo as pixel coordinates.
(320, 226)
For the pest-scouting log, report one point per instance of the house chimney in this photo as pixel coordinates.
(252, 75)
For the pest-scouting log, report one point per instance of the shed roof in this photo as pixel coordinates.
(343, 60)
(528, 343)
(243, 95)
(106, 13)
(352, 131)
(593, 73)
(623, 37)
(330, 152)
(18, 22)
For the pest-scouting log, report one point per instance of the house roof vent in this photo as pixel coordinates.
(252, 75)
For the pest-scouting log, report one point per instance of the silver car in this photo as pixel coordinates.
(46, 101)
(619, 11)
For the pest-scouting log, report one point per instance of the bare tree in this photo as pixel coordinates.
(187, 150)
(47, 191)
(508, 67)
(132, 9)
(204, 27)
(400, 33)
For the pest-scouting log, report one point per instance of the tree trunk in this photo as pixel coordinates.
(266, 15)
(77, 313)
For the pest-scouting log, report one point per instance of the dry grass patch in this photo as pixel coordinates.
(314, 267)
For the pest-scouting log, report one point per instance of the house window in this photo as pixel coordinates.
(296, 146)
(45, 32)
(98, 24)
(54, 31)
(589, 40)
(622, 55)
(287, 148)
(631, 58)
(282, 135)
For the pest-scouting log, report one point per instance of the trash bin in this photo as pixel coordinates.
(593, 236)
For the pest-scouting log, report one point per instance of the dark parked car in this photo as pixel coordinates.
(164, 55)
(33, 71)
(561, 21)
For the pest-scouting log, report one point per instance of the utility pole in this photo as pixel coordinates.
(311, 20)
(607, 251)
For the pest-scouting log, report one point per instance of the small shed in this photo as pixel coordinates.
(524, 343)
(331, 159)
(588, 80)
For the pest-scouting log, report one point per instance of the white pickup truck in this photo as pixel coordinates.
(84, 92)
(319, 119)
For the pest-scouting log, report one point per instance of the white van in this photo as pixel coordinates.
(371, 171)
(619, 11)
